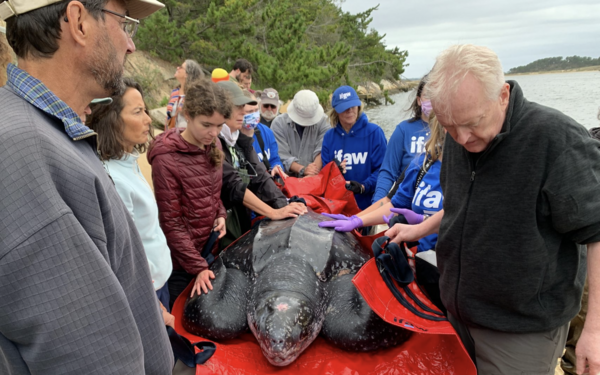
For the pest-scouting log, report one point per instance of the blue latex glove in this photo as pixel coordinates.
(336, 216)
(411, 216)
(349, 225)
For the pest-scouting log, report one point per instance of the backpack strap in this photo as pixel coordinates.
(261, 143)
(422, 172)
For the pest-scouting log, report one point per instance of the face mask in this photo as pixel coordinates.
(251, 120)
(426, 107)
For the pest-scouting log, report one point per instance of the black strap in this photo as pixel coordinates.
(392, 263)
(422, 172)
(208, 246)
(183, 349)
(261, 143)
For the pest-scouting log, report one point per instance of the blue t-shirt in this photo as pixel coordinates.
(271, 148)
(363, 148)
(427, 198)
(407, 141)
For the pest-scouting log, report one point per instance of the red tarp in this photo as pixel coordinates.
(325, 192)
(422, 354)
(434, 348)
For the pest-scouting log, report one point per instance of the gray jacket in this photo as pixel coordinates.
(75, 288)
(291, 147)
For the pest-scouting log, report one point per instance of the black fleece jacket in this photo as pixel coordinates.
(510, 248)
(262, 185)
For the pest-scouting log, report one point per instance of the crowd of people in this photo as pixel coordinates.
(498, 192)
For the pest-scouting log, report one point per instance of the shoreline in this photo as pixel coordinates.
(594, 68)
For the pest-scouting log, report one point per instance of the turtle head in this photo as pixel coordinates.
(284, 326)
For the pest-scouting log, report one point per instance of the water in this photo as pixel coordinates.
(575, 94)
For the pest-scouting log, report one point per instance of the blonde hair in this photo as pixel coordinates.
(334, 117)
(434, 147)
(454, 64)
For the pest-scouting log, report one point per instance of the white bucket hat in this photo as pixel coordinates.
(137, 8)
(305, 109)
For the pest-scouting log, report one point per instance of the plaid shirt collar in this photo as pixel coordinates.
(36, 93)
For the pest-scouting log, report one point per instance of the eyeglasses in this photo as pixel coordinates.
(130, 25)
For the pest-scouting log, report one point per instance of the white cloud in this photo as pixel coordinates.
(518, 31)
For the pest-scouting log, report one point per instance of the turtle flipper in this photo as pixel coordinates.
(220, 314)
(351, 324)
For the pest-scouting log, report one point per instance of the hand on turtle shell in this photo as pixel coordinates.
(411, 216)
(219, 226)
(336, 216)
(291, 210)
(202, 282)
(343, 225)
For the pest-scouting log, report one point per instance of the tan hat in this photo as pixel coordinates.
(305, 109)
(136, 8)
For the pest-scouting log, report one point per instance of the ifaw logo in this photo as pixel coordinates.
(351, 159)
(267, 152)
(416, 145)
(428, 198)
(344, 95)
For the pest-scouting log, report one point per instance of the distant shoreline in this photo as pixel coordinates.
(578, 70)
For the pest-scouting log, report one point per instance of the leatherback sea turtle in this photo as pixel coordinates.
(287, 281)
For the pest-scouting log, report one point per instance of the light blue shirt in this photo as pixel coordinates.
(139, 199)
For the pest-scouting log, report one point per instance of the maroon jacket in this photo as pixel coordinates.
(187, 189)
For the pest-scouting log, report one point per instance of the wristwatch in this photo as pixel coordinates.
(301, 173)
(425, 217)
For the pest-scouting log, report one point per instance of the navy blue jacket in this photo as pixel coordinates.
(363, 148)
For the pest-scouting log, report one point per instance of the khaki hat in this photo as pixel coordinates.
(102, 101)
(237, 95)
(305, 109)
(270, 96)
(136, 8)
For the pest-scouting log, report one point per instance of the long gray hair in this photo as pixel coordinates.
(194, 72)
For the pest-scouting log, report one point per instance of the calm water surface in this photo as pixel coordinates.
(575, 94)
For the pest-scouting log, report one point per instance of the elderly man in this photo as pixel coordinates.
(521, 204)
(299, 134)
(75, 286)
(269, 106)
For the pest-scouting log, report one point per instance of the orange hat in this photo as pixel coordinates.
(219, 75)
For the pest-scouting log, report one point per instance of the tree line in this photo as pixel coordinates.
(292, 44)
(556, 63)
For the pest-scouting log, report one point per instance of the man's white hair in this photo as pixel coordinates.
(454, 64)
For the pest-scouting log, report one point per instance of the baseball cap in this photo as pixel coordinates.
(237, 96)
(136, 8)
(219, 75)
(305, 109)
(344, 97)
(270, 96)
(102, 101)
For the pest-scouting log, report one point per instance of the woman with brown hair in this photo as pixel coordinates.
(187, 171)
(124, 130)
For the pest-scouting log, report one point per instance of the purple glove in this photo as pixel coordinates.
(388, 218)
(411, 216)
(337, 216)
(348, 225)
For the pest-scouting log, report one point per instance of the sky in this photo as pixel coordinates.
(519, 31)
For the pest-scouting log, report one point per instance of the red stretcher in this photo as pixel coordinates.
(433, 349)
